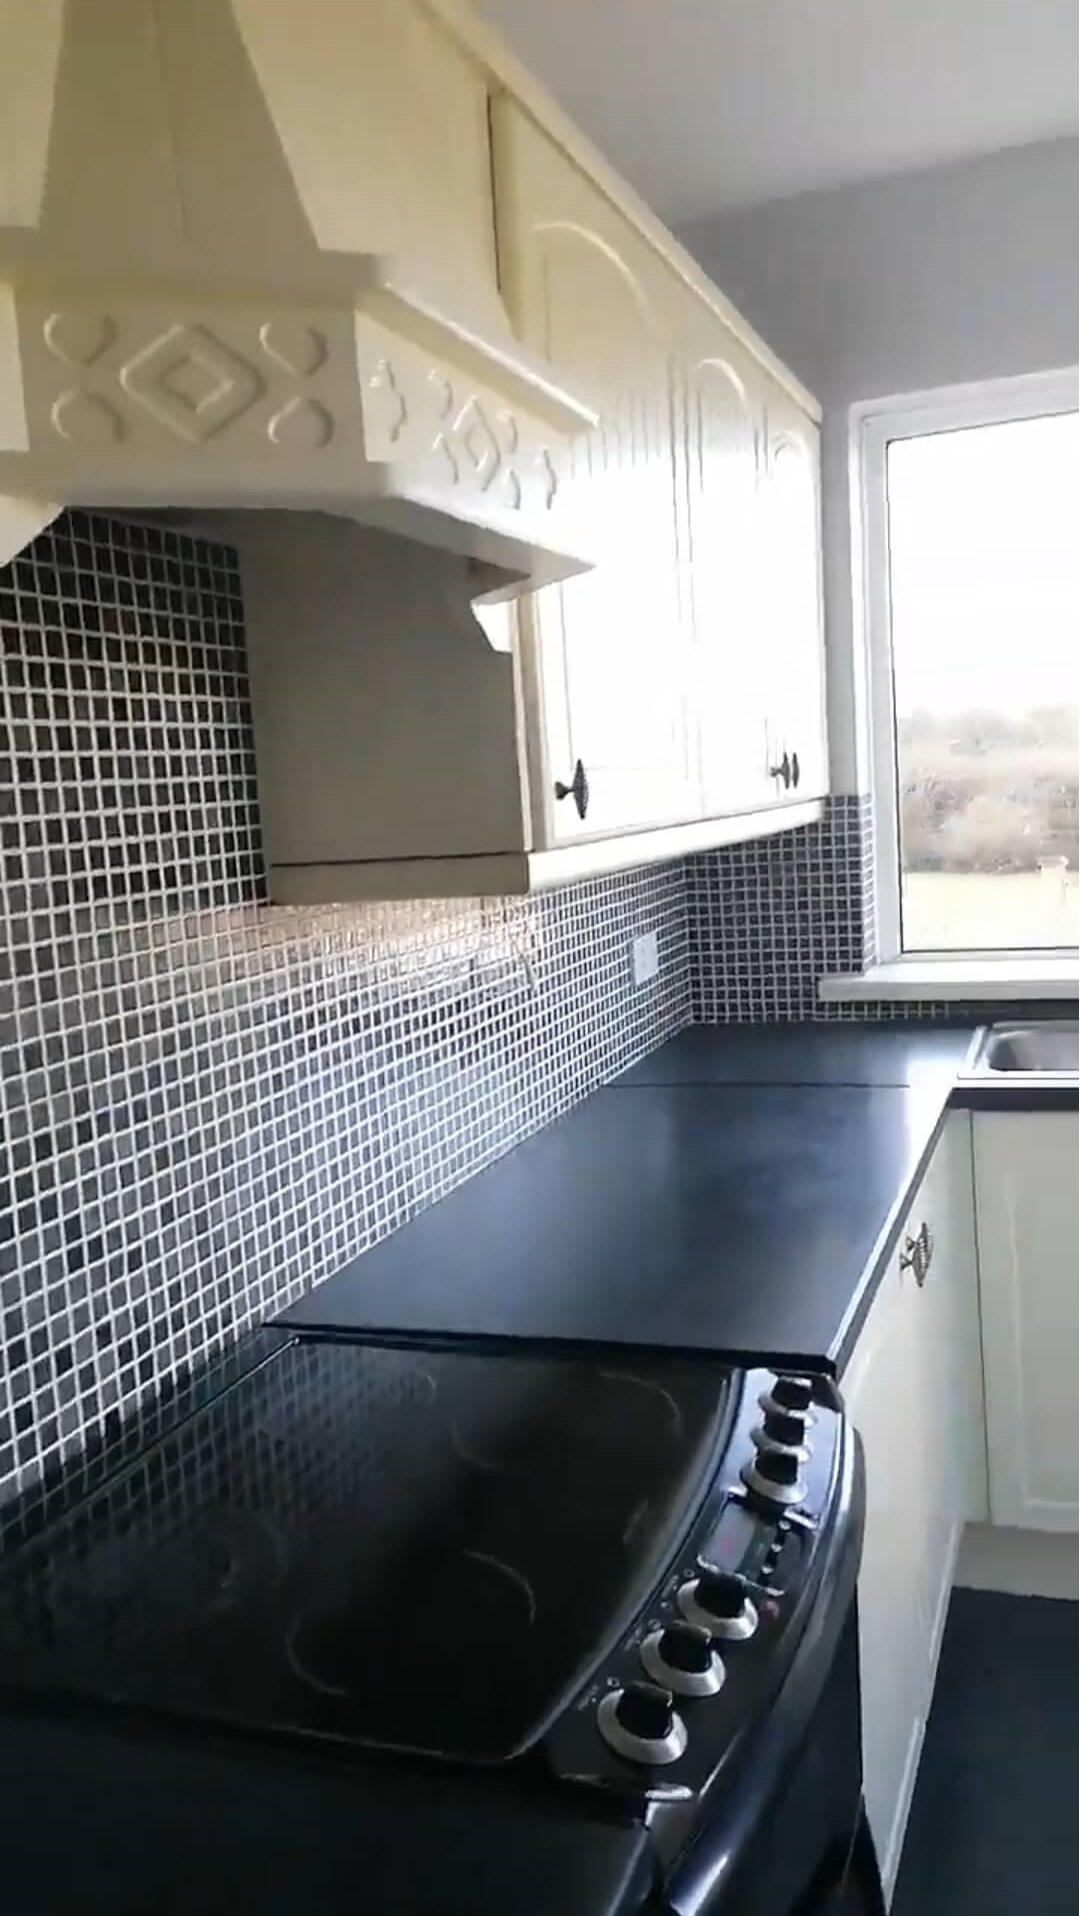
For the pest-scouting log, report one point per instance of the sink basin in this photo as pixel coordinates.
(1052, 1048)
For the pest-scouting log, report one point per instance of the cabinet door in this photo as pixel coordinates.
(721, 444)
(793, 637)
(1025, 1175)
(892, 1638)
(751, 557)
(913, 1389)
(607, 668)
(948, 1437)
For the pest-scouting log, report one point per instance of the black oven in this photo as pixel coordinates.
(515, 1619)
(791, 1838)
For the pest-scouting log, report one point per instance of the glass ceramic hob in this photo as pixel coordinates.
(426, 1550)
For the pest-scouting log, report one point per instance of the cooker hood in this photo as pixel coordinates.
(207, 298)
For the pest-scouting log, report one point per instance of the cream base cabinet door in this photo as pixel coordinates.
(892, 1645)
(604, 656)
(913, 1390)
(1026, 1187)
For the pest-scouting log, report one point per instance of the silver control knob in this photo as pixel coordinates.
(642, 1724)
(681, 1658)
(793, 1394)
(782, 1430)
(718, 1601)
(774, 1475)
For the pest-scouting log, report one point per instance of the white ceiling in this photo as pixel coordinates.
(708, 105)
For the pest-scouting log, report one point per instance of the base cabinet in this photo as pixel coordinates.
(913, 1390)
(1025, 1180)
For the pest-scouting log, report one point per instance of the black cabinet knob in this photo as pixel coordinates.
(722, 1593)
(783, 770)
(795, 772)
(682, 1646)
(578, 789)
(783, 1427)
(793, 1393)
(645, 1710)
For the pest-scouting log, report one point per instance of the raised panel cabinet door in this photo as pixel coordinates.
(877, 1388)
(1026, 1205)
(721, 445)
(946, 1426)
(792, 637)
(607, 651)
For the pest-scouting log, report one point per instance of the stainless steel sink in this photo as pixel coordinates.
(1050, 1049)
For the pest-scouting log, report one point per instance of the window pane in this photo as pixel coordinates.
(986, 637)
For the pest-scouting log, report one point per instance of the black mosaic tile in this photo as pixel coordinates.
(207, 1104)
(769, 919)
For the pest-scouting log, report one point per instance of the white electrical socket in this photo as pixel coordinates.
(646, 957)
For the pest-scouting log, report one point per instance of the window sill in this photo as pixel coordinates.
(970, 979)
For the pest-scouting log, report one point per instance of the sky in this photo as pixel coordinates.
(985, 566)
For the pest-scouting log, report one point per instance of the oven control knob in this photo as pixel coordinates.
(646, 1711)
(684, 1647)
(774, 1475)
(793, 1393)
(682, 1658)
(719, 1602)
(781, 1430)
(642, 1723)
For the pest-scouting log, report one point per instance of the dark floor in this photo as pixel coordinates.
(993, 1824)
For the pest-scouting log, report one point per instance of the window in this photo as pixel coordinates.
(973, 600)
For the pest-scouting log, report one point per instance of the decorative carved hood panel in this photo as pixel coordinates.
(247, 259)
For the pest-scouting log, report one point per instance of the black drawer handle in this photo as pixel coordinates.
(578, 789)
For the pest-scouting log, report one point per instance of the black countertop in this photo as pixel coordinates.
(833, 1053)
(106, 1822)
(736, 1192)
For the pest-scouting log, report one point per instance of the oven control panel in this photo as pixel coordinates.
(711, 1646)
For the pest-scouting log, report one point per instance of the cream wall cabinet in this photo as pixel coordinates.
(667, 700)
(607, 651)
(750, 472)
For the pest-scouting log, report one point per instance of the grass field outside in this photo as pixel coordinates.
(964, 911)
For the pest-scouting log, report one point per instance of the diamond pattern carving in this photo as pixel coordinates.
(191, 382)
(79, 338)
(383, 381)
(480, 443)
(549, 476)
(302, 425)
(85, 419)
(195, 377)
(299, 349)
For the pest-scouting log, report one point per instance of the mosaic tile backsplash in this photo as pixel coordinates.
(207, 1104)
(771, 917)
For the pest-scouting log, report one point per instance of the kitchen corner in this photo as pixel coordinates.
(538, 958)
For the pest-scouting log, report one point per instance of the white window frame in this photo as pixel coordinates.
(874, 425)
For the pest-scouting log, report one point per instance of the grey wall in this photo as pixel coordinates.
(963, 272)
